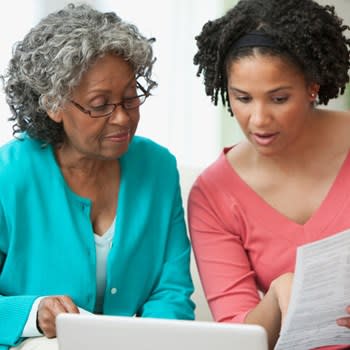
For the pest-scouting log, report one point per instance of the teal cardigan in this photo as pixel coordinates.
(47, 245)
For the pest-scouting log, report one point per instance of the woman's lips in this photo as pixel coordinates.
(264, 139)
(118, 137)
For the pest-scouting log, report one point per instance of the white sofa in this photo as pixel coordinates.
(187, 176)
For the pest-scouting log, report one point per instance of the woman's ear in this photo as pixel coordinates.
(313, 90)
(56, 116)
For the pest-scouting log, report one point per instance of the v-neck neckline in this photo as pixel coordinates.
(272, 218)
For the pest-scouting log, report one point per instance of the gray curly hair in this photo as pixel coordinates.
(49, 62)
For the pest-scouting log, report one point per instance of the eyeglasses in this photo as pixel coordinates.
(107, 109)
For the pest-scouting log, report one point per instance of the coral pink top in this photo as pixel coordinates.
(242, 244)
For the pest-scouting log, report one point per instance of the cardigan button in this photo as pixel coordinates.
(114, 290)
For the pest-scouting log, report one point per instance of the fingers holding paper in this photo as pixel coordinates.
(48, 310)
(344, 321)
(283, 288)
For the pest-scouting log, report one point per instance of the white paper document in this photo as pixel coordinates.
(320, 295)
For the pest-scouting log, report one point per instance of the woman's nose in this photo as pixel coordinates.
(119, 116)
(260, 115)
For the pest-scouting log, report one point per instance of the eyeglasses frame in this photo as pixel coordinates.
(145, 92)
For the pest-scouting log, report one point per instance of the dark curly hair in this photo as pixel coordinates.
(307, 34)
(51, 59)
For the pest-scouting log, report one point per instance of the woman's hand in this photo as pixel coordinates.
(49, 308)
(272, 309)
(344, 321)
(282, 288)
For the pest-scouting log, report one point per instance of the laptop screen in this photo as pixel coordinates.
(91, 332)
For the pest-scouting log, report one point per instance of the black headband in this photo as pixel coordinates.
(253, 39)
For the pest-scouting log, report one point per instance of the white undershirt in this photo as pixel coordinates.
(103, 245)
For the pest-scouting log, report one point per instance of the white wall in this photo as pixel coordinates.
(13, 25)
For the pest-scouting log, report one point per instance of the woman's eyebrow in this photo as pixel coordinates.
(283, 87)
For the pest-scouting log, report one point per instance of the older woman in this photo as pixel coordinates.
(88, 219)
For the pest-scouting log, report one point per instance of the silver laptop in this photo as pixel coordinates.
(90, 332)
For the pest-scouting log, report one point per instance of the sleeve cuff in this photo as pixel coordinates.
(30, 328)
